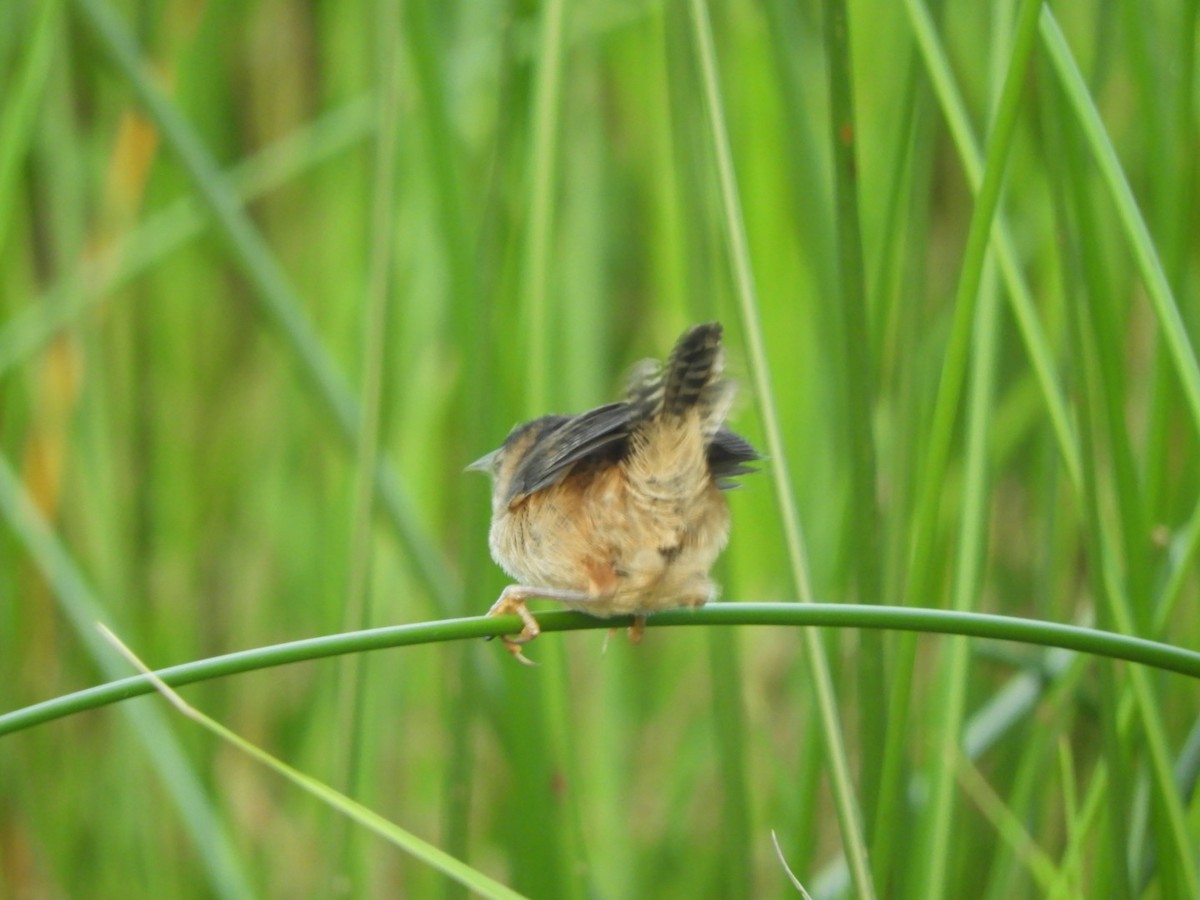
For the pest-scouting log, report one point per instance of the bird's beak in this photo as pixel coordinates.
(484, 463)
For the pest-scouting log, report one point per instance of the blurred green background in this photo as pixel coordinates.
(250, 250)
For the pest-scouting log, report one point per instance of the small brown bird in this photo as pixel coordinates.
(619, 510)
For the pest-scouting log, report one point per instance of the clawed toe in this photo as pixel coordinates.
(511, 605)
(514, 646)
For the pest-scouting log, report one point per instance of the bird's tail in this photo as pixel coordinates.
(693, 369)
(691, 380)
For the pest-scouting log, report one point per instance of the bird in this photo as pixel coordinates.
(620, 510)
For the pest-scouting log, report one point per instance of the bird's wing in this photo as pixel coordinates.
(575, 440)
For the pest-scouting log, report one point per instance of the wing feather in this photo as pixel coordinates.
(564, 446)
(728, 455)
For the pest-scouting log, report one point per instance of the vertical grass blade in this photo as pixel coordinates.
(849, 817)
(983, 353)
(21, 104)
(857, 372)
(543, 172)
(351, 750)
(549, 856)
(1183, 355)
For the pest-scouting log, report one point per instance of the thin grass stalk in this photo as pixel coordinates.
(888, 269)
(954, 367)
(1096, 642)
(543, 172)
(583, 328)
(350, 748)
(1167, 190)
(804, 840)
(1081, 827)
(1098, 790)
(1181, 558)
(1070, 874)
(1152, 721)
(1158, 289)
(1164, 195)
(1176, 240)
(969, 561)
(552, 864)
(671, 281)
(686, 203)
(920, 577)
(1179, 240)
(858, 375)
(1114, 751)
(1050, 688)
(1026, 788)
(982, 312)
(445, 156)
(733, 740)
(1163, 444)
(468, 315)
(1147, 84)
(1079, 223)
(1160, 429)
(812, 209)
(849, 817)
(1106, 335)
(1020, 298)
(919, 582)
(729, 720)
(702, 263)
(21, 104)
(886, 839)
(1009, 827)
(1114, 606)
(1187, 776)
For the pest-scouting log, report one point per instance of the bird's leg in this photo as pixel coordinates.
(512, 602)
(636, 630)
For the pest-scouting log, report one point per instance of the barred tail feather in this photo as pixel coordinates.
(694, 366)
(644, 391)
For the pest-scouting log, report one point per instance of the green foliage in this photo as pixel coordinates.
(271, 274)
